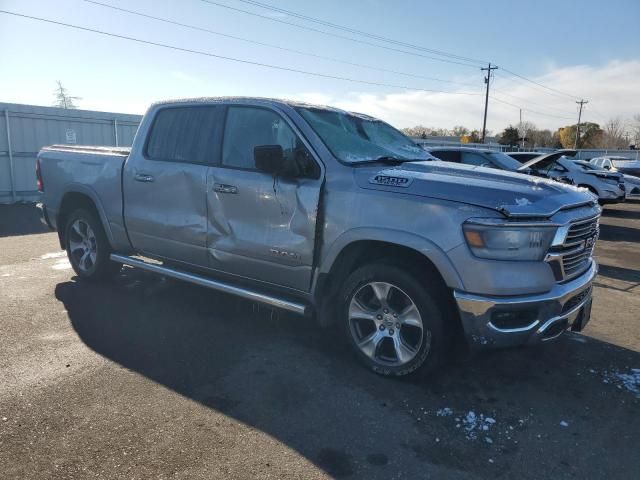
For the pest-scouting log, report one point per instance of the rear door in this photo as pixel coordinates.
(165, 185)
(262, 227)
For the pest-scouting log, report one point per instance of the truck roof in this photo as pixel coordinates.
(257, 101)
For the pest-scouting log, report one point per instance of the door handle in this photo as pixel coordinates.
(223, 188)
(143, 177)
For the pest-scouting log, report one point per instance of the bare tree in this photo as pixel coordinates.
(524, 128)
(63, 99)
(635, 127)
(614, 133)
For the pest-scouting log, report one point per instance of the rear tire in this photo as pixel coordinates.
(393, 320)
(87, 246)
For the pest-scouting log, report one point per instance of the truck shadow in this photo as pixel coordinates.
(20, 219)
(301, 385)
(620, 213)
(616, 233)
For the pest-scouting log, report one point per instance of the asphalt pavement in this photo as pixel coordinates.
(152, 378)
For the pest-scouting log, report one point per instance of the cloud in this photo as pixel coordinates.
(613, 90)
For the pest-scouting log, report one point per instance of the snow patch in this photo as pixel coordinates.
(62, 264)
(629, 381)
(564, 424)
(444, 412)
(59, 254)
(474, 424)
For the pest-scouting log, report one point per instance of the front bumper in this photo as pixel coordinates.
(527, 319)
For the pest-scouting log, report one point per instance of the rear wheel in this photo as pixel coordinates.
(87, 246)
(392, 320)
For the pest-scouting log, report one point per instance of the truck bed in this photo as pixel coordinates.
(93, 171)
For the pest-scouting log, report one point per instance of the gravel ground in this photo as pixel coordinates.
(152, 378)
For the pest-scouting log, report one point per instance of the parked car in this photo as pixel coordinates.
(323, 212)
(609, 188)
(618, 164)
(475, 156)
(631, 183)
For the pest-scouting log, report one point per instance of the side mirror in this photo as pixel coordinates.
(607, 167)
(269, 159)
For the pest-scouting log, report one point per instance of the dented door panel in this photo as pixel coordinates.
(265, 230)
(166, 216)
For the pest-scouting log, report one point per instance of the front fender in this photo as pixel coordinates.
(398, 237)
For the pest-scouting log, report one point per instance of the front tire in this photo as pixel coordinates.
(393, 320)
(87, 246)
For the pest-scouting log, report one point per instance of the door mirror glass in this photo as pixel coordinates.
(607, 167)
(271, 159)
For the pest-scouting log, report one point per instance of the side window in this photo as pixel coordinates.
(184, 134)
(249, 127)
(447, 155)
(471, 158)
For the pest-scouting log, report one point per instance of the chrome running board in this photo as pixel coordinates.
(243, 292)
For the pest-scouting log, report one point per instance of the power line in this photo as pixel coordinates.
(232, 59)
(331, 34)
(493, 97)
(502, 92)
(360, 32)
(556, 91)
(377, 37)
(270, 45)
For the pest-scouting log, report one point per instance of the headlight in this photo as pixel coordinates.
(498, 240)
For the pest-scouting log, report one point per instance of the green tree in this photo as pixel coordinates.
(509, 136)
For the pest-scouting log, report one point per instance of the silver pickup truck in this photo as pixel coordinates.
(334, 215)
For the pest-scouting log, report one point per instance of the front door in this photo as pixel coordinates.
(262, 227)
(165, 185)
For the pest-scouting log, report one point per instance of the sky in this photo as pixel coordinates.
(586, 49)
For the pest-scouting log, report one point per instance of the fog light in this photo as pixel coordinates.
(506, 320)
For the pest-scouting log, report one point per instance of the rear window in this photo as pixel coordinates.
(447, 155)
(184, 134)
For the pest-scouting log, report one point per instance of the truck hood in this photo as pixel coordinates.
(547, 159)
(512, 194)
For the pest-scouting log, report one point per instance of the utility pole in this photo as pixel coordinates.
(581, 103)
(521, 129)
(487, 80)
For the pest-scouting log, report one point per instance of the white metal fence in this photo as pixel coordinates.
(25, 129)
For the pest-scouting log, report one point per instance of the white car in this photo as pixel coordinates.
(630, 169)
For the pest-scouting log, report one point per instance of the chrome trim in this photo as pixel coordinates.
(513, 330)
(562, 317)
(294, 307)
(499, 222)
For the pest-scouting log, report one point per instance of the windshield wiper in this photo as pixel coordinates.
(388, 159)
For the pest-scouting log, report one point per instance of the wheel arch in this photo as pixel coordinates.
(358, 247)
(80, 196)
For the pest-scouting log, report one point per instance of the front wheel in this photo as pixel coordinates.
(393, 320)
(87, 246)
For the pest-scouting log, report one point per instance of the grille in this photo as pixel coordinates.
(575, 263)
(581, 231)
(573, 257)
